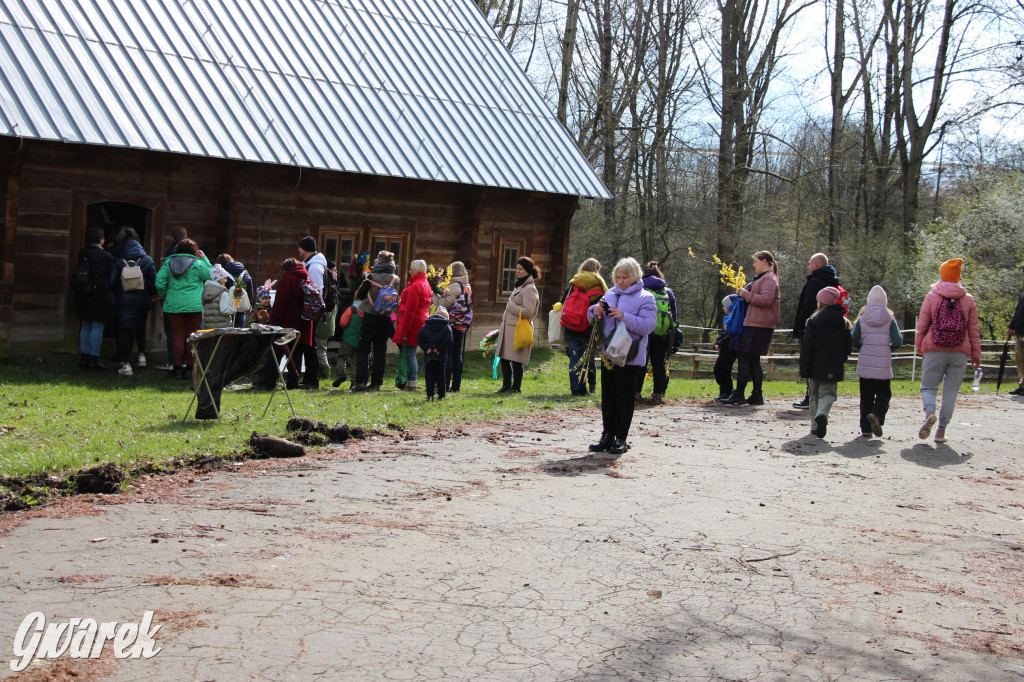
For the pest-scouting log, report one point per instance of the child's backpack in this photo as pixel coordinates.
(950, 324)
(312, 302)
(574, 310)
(733, 321)
(665, 322)
(460, 314)
(844, 299)
(131, 276)
(386, 300)
(330, 292)
(81, 278)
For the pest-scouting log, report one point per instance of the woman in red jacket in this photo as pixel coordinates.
(287, 312)
(412, 313)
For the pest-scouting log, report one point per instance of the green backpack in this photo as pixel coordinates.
(665, 322)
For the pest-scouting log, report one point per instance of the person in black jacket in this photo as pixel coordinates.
(435, 339)
(824, 349)
(1016, 329)
(94, 298)
(820, 275)
(726, 356)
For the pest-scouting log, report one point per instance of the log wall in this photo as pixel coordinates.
(257, 213)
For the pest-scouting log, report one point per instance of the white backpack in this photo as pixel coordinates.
(131, 276)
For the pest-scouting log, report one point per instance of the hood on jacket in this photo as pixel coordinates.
(950, 290)
(833, 315)
(589, 280)
(384, 268)
(826, 274)
(235, 269)
(132, 250)
(436, 321)
(876, 315)
(180, 263)
(461, 279)
(631, 289)
(653, 282)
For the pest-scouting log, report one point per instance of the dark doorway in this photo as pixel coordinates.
(112, 215)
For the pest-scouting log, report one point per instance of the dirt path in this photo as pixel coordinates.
(726, 544)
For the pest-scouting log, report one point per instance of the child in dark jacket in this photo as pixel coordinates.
(823, 352)
(435, 339)
(726, 356)
(351, 322)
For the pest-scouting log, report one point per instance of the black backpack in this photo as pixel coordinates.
(330, 293)
(81, 278)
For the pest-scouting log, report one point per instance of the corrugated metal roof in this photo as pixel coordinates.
(404, 88)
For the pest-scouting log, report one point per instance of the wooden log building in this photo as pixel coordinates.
(405, 126)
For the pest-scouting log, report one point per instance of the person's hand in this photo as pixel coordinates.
(269, 284)
(405, 339)
(615, 313)
(1009, 333)
(716, 347)
(976, 363)
(201, 254)
(739, 291)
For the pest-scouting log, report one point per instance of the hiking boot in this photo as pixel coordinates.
(141, 360)
(926, 428)
(803, 404)
(820, 426)
(357, 388)
(601, 445)
(735, 398)
(658, 398)
(755, 399)
(126, 370)
(617, 447)
(95, 364)
(876, 426)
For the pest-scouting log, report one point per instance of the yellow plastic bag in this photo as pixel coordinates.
(524, 334)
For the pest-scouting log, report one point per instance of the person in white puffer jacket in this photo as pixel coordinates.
(875, 335)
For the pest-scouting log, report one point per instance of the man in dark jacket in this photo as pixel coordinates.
(820, 275)
(1016, 329)
(94, 297)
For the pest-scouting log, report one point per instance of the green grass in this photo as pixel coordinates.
(64, 420)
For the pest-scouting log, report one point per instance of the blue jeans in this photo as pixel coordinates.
(453, 368)
(90, 337)
(577, 379)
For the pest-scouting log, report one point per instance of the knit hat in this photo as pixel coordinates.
(528, 265)
(950, 270)
(217, 273)
(308, 244)
(442, 311)
(727, 301)
(828, 295)
(877, 295)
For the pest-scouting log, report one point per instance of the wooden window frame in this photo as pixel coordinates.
(341, 234)
(403, 260)
(500, 270)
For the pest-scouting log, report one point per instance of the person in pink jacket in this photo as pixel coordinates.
(763, 303)
(412, 313)
(945, 364)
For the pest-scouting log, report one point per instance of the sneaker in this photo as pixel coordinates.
(865, 434)
(940, 435)
(166, 366)
(1017, 391)
(820, 426)
(803, 404)
(126, 370)
(141, 360)
(876, 426)
(926, 428)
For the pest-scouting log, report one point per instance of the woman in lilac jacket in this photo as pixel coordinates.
(629, 304)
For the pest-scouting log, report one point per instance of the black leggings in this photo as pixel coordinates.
(125, 336)
(748, 369)
(617, 399)
(511, 374)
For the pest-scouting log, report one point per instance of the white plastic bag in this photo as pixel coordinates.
(227, 303)
(556, 332)
(620, 345)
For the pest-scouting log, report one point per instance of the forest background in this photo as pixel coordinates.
(884, 133)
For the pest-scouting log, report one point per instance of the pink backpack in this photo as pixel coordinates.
(949, 328)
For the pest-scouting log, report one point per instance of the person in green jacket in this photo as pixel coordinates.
(180, 284)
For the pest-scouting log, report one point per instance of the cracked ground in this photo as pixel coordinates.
(725, 545)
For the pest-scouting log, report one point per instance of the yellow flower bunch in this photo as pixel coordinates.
(439, 279)
(729, 275)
